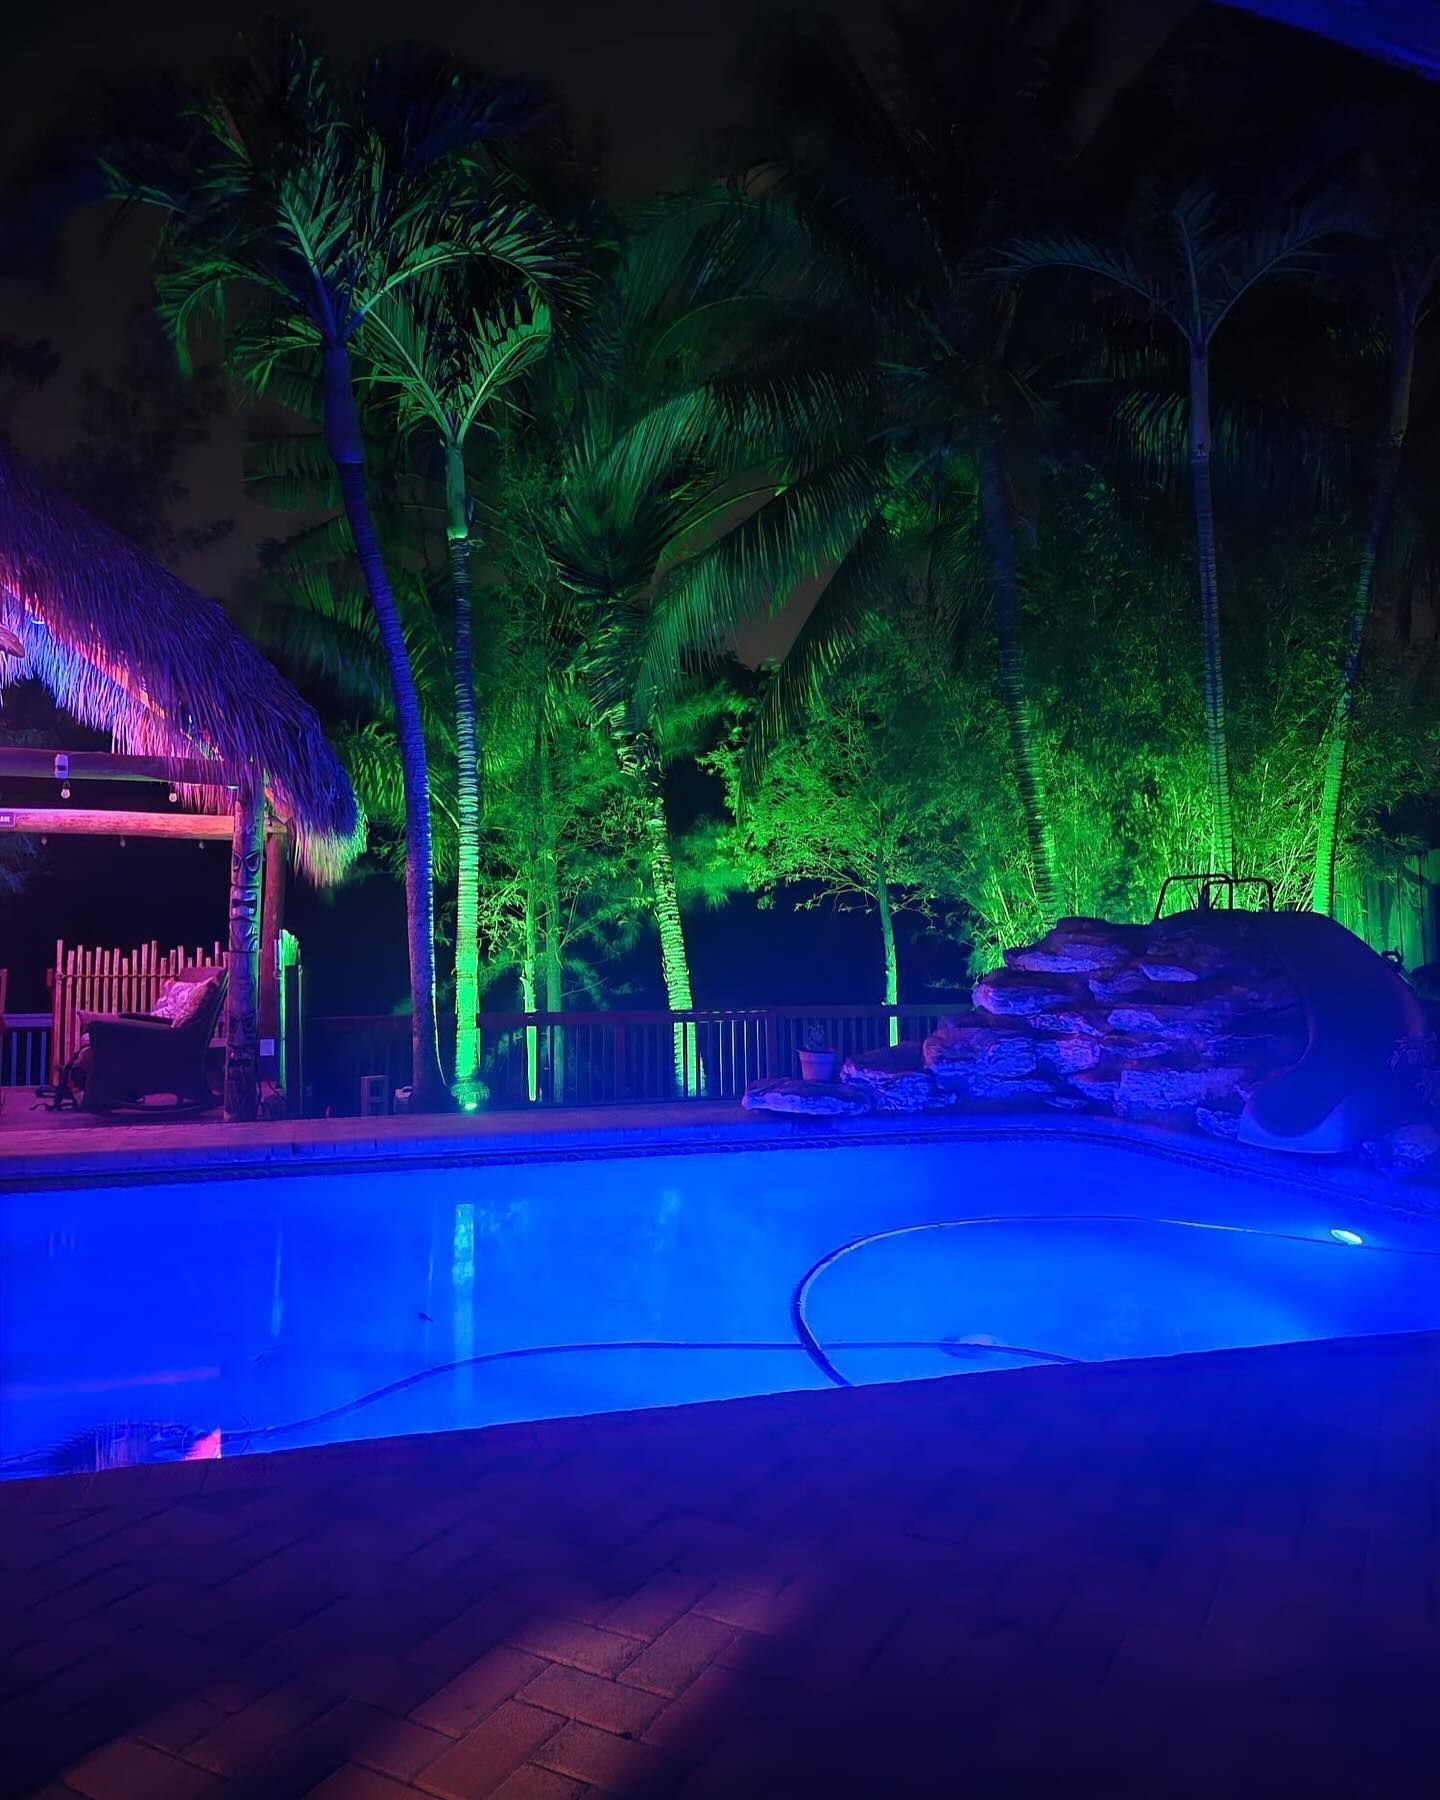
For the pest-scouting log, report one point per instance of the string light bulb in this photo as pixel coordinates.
(64, 790)
(174, 795)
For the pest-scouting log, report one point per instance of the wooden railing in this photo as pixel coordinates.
(24, 1050)
(604, 1058)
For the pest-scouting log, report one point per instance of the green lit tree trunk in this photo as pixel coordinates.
(887, 938)
(1217, 749)
(552, 971)
(528, 959)
(641, 761)
(1382, 505)
(345, 447)
(469, 1088)
(1005, 596)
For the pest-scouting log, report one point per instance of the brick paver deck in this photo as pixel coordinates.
(1212, 1577)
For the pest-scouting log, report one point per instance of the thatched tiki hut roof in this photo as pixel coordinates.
(124, 646)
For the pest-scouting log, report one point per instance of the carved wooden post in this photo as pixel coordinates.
(247, 856)
(272, 921)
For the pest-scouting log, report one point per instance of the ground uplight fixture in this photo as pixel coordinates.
(1341, 1236)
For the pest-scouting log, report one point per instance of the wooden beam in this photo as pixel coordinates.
(81, 821)
(101, 765)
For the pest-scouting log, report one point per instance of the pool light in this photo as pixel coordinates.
(1341, 1236)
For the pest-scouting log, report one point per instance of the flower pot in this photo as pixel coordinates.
(819, 1065)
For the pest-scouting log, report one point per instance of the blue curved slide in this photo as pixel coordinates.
(1357, 1008)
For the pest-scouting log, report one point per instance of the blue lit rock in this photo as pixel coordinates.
(821, 1099)
(1408, 1150)
(1068, 1055)
(982, 1086)
(955, 1052)
(1170, 1090)
(896, 1079)
(1078, 947)
(1015, 992)
(1217, 1123)
(1070, 1023)
(1099, 1090)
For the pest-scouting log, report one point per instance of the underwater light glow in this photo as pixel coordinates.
(1341, 1236)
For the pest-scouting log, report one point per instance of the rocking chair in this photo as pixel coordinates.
(128, 1056)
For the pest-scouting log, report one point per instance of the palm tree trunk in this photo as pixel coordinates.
(641, 761)
(242, 998)
(1327, 842)
(552, 970)
(345, 446)
(469, 1088)
(887, 938)
(1005, 595)
(527, 989)
(1217, 749)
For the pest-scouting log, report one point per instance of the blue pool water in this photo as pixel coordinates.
(310, 1309)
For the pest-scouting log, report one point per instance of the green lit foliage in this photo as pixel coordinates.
(860, 804)
(900, 408)
(1191, 262)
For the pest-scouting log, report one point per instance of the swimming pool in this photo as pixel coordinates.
(246, 1315)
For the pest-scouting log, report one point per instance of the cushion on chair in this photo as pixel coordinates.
(180, 1001)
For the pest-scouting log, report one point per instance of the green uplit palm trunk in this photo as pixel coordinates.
(1382, 505)
(344, 444)
(468, 1086)
(1217, 750)
(641, 761)
(552, 971)
(887, 938)
(1005, 595)
(528, 958)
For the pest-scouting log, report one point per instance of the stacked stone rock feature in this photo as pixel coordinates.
(1173, 1022)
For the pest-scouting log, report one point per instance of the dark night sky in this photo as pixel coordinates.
(657, 76)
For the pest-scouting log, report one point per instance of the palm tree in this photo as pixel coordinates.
(1190, 269)
(319, 204)
(1404, 269)
(878, 208)
(445, 350)
(644, 453)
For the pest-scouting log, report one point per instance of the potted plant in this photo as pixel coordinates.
(818, 1062)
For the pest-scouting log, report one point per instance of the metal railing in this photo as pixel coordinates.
(605, 1058)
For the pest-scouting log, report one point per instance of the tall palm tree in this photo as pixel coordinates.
(887, 198)
(445, 350)
(646, 451)
(318, 202)
(1190, 268)
(1403, 270)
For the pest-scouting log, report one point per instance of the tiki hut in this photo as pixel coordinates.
(125, 647)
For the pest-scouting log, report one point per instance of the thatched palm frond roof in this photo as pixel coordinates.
(123, 646)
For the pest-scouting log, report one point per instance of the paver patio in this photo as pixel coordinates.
(1214, 1576)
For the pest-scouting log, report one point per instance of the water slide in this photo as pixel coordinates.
(1357, 1008)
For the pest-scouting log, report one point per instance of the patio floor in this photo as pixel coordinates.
(1214, 1576)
